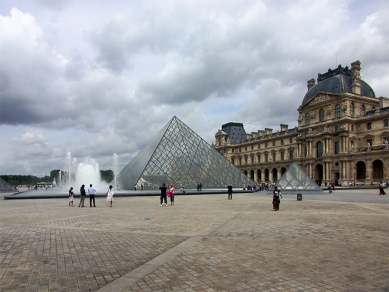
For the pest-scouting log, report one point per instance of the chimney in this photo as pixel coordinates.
(261, 133)
(284, 127)
(311, 83)
(356, 77)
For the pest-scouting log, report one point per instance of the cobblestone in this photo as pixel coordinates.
(203, 243)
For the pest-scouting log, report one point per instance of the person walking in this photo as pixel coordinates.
(71, 197)
(382, 192)
(330, 188)
(171, 194)
(91, 192)
(163, 198)
(110, 195)
(276, 198)
(229, 192)
(83, 195)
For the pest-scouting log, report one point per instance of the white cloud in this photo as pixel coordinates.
(94, 80)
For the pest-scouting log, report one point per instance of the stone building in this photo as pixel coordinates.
(342, 135)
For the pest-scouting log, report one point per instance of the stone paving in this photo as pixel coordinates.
(203, 243)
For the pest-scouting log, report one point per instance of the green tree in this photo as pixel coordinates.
(106, 175)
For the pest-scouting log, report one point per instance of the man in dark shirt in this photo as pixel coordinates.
(83, 195)
(163, 189)
(229, 192)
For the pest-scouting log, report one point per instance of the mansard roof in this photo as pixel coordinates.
(336, 81)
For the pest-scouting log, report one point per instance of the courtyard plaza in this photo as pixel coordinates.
(326, 242)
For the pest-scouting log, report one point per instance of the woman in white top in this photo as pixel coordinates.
(110, 195)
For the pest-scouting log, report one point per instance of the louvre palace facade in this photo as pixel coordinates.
(342, 135)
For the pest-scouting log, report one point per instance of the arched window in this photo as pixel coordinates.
(352, 109)
(337, 111)
(362, 109)
(321, 115)
(319, 147)
(307, 119)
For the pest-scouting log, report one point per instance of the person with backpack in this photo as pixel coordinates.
(276, 198)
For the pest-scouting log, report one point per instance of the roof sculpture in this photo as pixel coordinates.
(296, 180)
(176, 154)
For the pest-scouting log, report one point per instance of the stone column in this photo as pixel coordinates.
(324, 171)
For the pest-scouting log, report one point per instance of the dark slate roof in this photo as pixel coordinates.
(337, 84)
(235, 132)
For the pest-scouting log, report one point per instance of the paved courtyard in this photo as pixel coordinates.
(337, 242)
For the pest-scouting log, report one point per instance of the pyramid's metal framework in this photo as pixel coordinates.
(178, 155)
(296, 180)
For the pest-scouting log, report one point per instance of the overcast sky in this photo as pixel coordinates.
(95, 78)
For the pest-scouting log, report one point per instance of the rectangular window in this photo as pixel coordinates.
(266, 145)
(266, 157)
(306, 151)
(290, 140)
(274, 156)
(252, 147)
(386, 123)
(352, 128)
(282, 141)
(291, 154)
(368, 126)
(336, 128)
(336, 146)
(232, 150)
(274, 143)
(282, 156)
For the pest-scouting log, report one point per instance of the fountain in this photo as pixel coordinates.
(86, 172)
(115, 169)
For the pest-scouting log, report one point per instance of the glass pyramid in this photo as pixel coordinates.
(178, 155)
(5, 186)
(296, 179)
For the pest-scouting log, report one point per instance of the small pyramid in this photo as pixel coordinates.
(5, 186)
(176, 154)
(296, 179)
